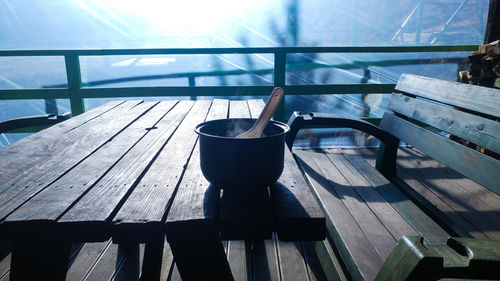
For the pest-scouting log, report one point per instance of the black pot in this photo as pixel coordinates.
(227, 162)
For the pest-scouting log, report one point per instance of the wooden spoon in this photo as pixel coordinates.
(266, 114)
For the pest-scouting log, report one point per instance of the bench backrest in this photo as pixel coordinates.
(468, 112)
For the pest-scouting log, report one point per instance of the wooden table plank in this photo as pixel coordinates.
(40, 146)
(246, 214)
(190, 203)
(25, 186)
(298, 212)
(191, 224)
(51, 203)
(93, 212)
(238, 109)
(142, 216)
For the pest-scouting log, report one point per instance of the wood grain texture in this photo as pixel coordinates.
(389, 216)
(426, 162)
(466, 204)
(422, 223)
(457, 222)
(142, 215)
(92, 213)
(40, 146)
(298, 212)
(375, 231)
(479, 99)
(359, 255)
(239, 109)
(486, 170)
(23, 187)
(104, 267)
(86, 259)
(191, 223)
(239, 256)
(292, 263)
(51, 203)
(190, 203)
(478, 130)
(167, 262)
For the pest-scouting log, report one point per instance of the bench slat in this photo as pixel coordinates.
(455, 221)
(26, 185)
(481, 131)
(464, 203)
(335, 171)
(359, 255)
(389, 216)
(479, 99)
(424, 225)
(478, 167)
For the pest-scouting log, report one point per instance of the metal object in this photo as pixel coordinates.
(228, 162)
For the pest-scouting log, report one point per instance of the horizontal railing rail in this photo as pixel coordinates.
(75, 91)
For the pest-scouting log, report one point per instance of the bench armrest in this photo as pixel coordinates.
(458, 258)
(386, 159)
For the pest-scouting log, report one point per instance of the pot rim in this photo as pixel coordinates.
(198, 127)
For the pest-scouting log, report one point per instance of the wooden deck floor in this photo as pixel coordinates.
(257, 260)
(450, 192)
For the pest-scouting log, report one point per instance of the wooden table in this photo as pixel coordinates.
(129, 170)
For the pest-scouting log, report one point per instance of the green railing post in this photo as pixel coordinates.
(420, 17)
(74, 83)
(279, 81)
(192, 83)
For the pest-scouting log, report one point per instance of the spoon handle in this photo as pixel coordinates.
(268, 111)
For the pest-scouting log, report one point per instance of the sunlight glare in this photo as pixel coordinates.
(192, 17)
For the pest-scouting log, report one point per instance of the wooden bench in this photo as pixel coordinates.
(451, 191)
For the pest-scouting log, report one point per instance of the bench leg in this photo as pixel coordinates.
(37, 260)
(151, 265)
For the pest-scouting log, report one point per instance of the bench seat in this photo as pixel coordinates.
(367, 215)
(426, 210)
